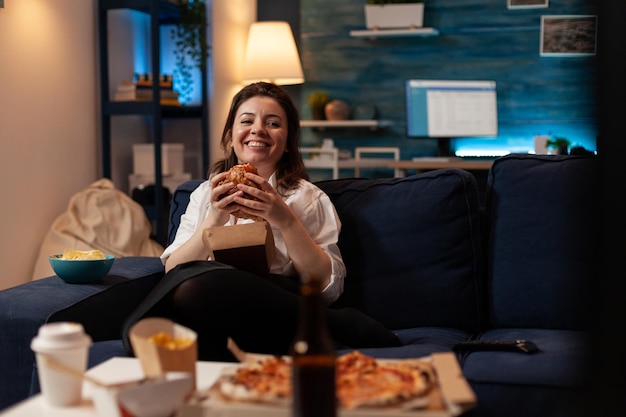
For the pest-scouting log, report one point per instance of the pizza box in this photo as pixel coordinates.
(247, 246)
(451, 396)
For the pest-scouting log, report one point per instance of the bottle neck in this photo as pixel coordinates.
(312, 307)
(312, 336)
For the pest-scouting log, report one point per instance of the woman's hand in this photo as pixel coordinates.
(308, 258)
(268, 204)
(222, 203)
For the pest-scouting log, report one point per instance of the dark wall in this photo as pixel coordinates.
(479, 39)
(288, 11)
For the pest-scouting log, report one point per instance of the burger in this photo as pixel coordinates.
(236, 175)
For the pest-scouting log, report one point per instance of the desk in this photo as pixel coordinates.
(349, 163)
(328, 163)
(112, 371)
(429, 164)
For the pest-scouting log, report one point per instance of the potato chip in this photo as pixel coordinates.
(74, 254)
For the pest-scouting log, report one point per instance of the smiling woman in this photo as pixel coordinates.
(258, 311)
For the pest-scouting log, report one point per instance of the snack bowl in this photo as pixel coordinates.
(81, 271)
(152, 397)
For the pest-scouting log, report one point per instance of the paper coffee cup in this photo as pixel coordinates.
(66, 344)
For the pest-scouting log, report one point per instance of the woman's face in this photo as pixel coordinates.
(259, 133)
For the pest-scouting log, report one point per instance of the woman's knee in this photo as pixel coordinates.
(211, 285)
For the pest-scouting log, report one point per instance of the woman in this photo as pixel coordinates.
(219, 301)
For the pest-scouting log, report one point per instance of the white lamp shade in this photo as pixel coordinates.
(271, 55)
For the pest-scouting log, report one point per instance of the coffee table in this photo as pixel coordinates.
(112, 371)
(454, 388)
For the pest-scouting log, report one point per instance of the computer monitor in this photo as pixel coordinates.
(446, 109)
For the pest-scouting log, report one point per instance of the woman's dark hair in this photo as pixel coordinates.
(291, 166)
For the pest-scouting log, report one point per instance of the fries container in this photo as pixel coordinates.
(248, 246)
(156, 359)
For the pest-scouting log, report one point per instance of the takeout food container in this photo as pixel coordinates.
(248, 246)
(160, 397)
(156, 358)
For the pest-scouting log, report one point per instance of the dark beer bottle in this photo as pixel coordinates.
(313, 358)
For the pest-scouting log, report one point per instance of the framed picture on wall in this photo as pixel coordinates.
(568, 35)
(527, 4)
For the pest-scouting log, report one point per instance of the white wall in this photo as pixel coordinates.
(49, 123)
(231, 20)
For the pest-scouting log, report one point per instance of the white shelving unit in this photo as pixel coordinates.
(320, 158)
(322, 124)
(393, 33)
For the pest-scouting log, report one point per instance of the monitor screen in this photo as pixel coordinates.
(451, 109)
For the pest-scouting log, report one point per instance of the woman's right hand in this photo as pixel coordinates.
(221, 207)
(222, 203)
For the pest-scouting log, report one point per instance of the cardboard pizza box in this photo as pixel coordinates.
(451, 397)
(247, 246)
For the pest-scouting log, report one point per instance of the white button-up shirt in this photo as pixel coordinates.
(310, 204)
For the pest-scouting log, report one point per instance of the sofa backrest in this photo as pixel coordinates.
(411, 248)
(180, 200)
(540, 224)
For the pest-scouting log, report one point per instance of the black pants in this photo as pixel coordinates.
(259, 313)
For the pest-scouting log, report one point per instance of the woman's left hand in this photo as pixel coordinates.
(309, 260)
(268, 205)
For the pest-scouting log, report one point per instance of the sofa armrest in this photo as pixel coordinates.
(100, 307)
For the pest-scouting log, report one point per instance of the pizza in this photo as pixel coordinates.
(267, 380)
(362, 381)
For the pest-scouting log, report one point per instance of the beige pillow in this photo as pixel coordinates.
(98, 217)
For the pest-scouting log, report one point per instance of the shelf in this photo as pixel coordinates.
(160, 12)
(394, 33)
(148, 107)
(323, 124)
(167, 12)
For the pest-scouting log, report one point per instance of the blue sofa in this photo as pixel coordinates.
(425, 258)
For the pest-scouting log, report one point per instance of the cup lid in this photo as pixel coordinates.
(60, 335)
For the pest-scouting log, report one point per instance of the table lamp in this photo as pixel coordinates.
(271, 55)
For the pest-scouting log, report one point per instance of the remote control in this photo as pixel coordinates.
(524, 346)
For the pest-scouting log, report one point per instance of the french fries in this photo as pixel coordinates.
(172, 343)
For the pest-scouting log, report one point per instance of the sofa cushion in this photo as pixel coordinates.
(541, 252)
(559, 362)
(417, 342)
(411, 248)
(550, 382)
(103, 312)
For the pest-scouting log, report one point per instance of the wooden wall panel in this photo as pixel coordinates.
(479, 39)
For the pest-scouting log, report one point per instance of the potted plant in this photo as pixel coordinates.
(317, 101)
(394, 14)
(558, 145)
(192, 48)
